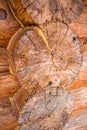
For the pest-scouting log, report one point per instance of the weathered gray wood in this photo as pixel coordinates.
(49, 109)
(78, 121)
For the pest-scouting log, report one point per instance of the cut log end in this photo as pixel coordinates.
(45, 110)
(47, 10)
(34, 64)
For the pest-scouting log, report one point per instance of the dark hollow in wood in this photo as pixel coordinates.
(3, 14)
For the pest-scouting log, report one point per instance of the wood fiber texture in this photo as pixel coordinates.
(43, 65)
(47, 10)
(45, 111)
(8, 24)
(35, 65)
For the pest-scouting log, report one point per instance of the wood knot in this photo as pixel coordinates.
(3, 14)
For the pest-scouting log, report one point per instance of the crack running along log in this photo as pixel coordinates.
(32, 61)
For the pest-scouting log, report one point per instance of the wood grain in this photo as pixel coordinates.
(7, 116)
(45, 110)
(8, 25)
(8, 83)
(37, 62)
(80, 25)
(47, 10)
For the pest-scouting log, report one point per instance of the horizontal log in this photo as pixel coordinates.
(81, 80)
(7, 117)
(80, 25)
(8, 83)
(4, 67)
(8, 24)
(18, 100)
(77, 121)
(80, 97)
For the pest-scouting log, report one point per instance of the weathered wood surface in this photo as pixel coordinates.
(80, 97)
(76, 103)
(81, 80)
(80, 25)
(48, 109)
(7, 115)
(37, 61)
(18, 100)
(78, 120)
(8, 83)
(3, 61)
(8, 24)
(42, 105)
(21, 97)
(34, 11)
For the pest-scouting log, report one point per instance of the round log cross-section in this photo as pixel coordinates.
(46, 10)
(36, 11)
(45, 111)
(37, 62)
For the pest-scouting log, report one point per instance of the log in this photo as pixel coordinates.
(8, 83)
(4, 68)
(20, 98)
(47, 10)
(7, 116)
(81, 80)
(79, 26)
(35, 62)
(78, 120)
(80, 97)
(41, 58)
(20, 13)
(79, 86)
(8, 24)
(45, 110)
